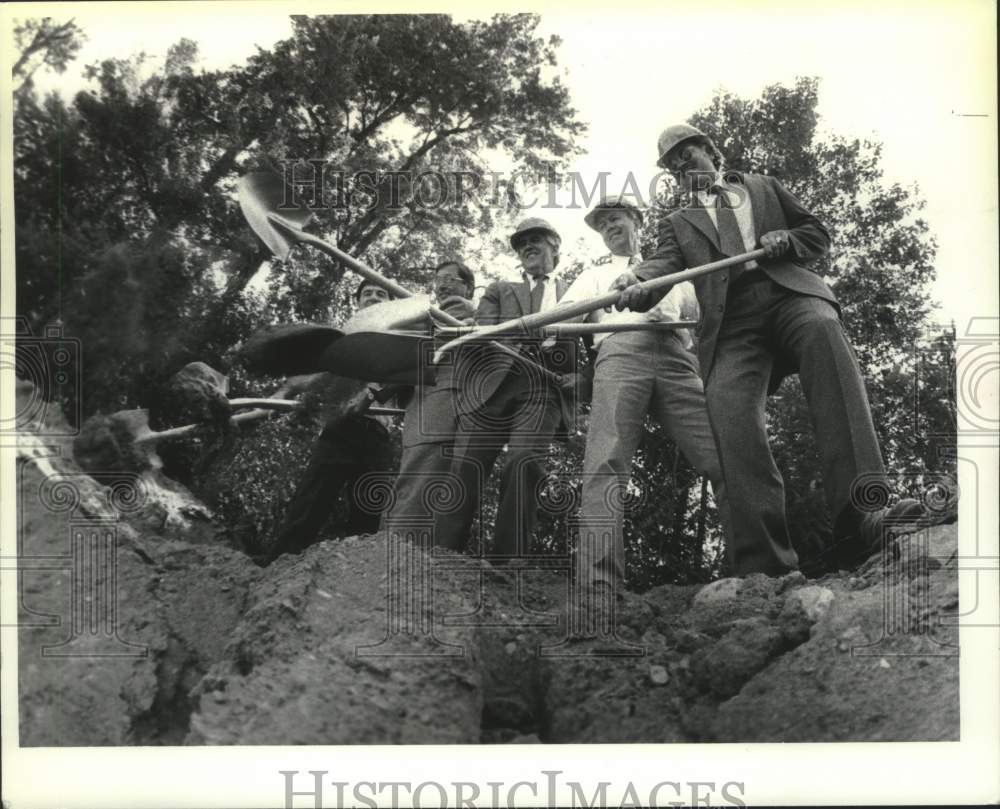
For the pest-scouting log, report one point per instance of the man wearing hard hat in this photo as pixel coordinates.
(760, 322)
(635, 373)
(503, 402)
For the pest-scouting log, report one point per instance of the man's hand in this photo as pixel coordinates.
(359, 403)
(568, 381)
(776, 243)
(459, 308)
(633, 296)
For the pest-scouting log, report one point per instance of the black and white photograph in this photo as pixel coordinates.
(472, 406)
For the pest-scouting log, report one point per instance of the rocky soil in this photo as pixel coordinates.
(176, 639)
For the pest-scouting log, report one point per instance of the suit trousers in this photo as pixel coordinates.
(763, 322)
(424, 480)
(347, 449)
(638, 373)
(523, 415)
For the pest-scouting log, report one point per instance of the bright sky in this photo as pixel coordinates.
(920, 77)
(911, 75)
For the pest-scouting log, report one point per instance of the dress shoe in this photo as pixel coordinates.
(851, 551)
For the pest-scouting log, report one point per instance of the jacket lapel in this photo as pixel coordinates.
(699, 218)
(758, 204)
(522, 291)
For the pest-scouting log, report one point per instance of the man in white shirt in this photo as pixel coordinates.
(635, 373)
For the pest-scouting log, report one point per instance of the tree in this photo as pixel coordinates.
(153, 220)
(43, 42)
(405, 100)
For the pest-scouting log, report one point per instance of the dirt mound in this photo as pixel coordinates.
(130, 634)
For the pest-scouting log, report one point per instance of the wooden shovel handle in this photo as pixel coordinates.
(566, 311)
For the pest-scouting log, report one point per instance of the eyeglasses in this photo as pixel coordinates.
(674, 161)
(532, 239)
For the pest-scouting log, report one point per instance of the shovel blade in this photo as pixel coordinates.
(405, 314)
(392, 359)
(288, 350)
(263, 194)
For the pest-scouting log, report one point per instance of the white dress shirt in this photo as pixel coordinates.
(679, 303)
(548, 295)
(739, 201)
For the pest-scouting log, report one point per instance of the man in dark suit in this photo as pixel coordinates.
(761, 322)
(430, 421)
(503, 402)
(352, 444)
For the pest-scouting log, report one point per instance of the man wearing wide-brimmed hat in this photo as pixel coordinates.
(760, 322)
(502, 402)
(635, 373)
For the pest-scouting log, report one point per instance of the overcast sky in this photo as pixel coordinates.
(920, 77)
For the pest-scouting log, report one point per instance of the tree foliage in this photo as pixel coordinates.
(128, 231)
(43, 41)
(127, 191)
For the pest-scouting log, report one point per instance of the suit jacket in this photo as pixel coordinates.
(507, 300)
(689, 239)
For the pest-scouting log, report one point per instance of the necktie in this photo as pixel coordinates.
(730, 238)
(633, 261)
(538, 294)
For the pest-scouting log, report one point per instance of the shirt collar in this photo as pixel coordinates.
(707, 199)
(637, 258)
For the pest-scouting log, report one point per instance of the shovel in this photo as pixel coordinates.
(577, 329)
(565, 311)
(376, 339)
(265, 200)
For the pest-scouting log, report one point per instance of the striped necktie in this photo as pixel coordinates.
(730, 237)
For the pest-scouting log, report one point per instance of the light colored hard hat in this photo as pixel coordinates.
(672, 137)
(533, 224)
(612, 201)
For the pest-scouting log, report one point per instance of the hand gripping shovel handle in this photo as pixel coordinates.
(563, 312)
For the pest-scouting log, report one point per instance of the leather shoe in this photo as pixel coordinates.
(851, 551)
